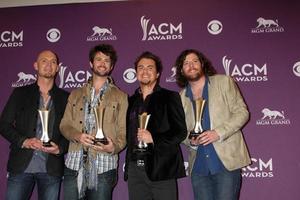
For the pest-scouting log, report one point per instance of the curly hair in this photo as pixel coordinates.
(107, 50)
(207, 67)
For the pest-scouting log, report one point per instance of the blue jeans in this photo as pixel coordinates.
(221, 186)
(20, 186)
(106, 183)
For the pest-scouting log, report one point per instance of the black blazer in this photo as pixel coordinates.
(168, 129)
(18, 122)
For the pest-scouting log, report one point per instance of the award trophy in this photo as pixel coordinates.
(141, 148)
(199, 107)
(100, 137)
(44, 116)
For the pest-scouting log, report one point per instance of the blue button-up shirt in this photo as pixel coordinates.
(207, 161)
(39, 158)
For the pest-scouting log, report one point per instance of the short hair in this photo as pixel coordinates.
(54, 53)
(107, 50)
(151, 56)
(207, 67)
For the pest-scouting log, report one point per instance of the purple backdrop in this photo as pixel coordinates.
(256, 42)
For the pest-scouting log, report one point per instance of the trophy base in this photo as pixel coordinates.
(140, 155)
(194, 135)
(97, 141)
(47, 144)
(140, 163)
(140, 150)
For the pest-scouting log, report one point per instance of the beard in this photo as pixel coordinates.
(194, 77)
(101, 74)
(47, 75)
(147, 82)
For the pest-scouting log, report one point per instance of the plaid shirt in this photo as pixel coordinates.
(103, 162)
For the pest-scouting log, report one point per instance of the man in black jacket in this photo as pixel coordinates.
(30, 161)
(153, 174)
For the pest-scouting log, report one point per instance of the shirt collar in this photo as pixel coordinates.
(51, 91)
(188, 91)
(155, 89)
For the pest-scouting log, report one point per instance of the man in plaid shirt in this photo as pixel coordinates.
(91, 168)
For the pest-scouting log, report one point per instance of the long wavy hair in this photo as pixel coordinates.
(207, 67)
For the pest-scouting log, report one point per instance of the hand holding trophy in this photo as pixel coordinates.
(44, 116)
(141, 147)
(100, 137)
(143, 123)
(199, 107)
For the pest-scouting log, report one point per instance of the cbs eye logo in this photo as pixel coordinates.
(129, 75)
(214, 27)
(296, 68)
(53, 35)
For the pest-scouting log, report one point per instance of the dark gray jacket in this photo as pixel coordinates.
(18, 122)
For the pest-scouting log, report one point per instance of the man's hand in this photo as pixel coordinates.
(205, 138)
(144, 135)
(32, 143)
(85, 139)
(108, 148)
(52, 149)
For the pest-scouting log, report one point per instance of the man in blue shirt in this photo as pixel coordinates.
(219, 152)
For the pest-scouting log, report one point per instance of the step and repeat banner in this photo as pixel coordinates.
(256, 42)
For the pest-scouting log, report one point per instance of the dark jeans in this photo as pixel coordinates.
(141, 188)
(20, 186)
(105, 186)
(221, 186)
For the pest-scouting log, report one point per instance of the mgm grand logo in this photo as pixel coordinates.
(267, 26)
(101, 34)
(24, 79)
(273, 117)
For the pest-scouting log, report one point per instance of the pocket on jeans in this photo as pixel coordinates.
(10, 175)
(70, 172)
(109, 177)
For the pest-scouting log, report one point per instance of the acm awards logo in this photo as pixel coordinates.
(69, 79)
(10, 39)
(246, 72)
(101, 34)
(260, 168)
(273, 117)
(267, 26)
(172, 77)
(163, 31)
(24, 79)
